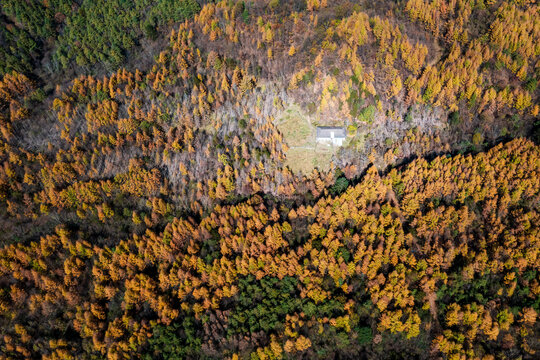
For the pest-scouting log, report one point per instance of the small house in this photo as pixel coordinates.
(331, 135)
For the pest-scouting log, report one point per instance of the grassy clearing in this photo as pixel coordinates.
(301, 160)
(296, 128)
(304, 153)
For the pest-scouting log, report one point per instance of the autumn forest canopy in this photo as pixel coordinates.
(165, 193)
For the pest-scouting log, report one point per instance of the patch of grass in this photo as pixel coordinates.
(305, 160)
(295, 127)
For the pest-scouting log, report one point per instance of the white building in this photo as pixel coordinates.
(331, 135)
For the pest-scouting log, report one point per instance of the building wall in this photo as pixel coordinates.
(331, 141)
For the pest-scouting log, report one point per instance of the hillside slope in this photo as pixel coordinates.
(162, 193)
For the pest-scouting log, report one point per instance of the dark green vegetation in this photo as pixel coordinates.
(81, 33)
(104, 31)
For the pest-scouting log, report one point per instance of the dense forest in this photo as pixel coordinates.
(163, 194)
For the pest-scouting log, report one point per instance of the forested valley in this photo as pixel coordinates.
(165, 192)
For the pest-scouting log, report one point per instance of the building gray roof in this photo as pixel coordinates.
(326, 132)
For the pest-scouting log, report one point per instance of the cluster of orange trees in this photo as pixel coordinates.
(475, 61)
(443, 251)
